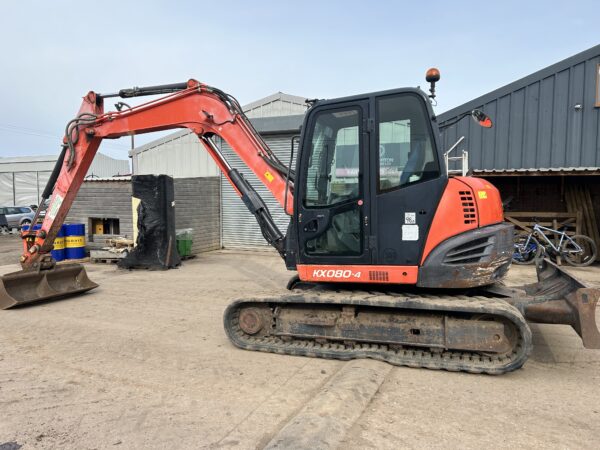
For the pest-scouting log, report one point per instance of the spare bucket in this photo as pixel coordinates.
(27, 286)
(74, 240)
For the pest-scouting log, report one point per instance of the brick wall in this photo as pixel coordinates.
(103, 199)
(197, 206)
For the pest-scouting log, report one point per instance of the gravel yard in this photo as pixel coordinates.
(143, 362)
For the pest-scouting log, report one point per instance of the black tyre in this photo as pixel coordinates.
(528, 254)
(580, 255)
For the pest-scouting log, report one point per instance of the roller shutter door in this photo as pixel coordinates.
(239, 227)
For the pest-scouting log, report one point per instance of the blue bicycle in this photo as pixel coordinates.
(578, 250)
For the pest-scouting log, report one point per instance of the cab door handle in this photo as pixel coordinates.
(312, 226)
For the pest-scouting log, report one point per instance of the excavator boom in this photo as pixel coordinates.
(204, 110)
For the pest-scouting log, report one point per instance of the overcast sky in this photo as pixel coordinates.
(53, 52)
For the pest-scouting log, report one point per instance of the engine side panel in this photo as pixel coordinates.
(475, 258)
(456, 213)
(487, 197)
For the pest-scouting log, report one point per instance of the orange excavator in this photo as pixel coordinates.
(395, 259)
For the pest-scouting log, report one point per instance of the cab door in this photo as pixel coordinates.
(408, 180)
(333, 208)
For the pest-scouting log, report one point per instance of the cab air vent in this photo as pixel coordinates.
(378, 275)
(468, 206)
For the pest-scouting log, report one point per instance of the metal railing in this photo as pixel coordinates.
(463, 158)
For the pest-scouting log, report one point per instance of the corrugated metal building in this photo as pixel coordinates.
(23, 178)
(178, 155)
(277, 118)
(181, 155)
(544, 148)
(548, 119)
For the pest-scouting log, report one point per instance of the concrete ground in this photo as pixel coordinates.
(143, 362)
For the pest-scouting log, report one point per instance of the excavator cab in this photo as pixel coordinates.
(374, 200)
(369, 165)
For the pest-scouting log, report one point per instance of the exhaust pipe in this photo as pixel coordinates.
(29, 286)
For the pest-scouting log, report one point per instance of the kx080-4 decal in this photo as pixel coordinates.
(333, 273)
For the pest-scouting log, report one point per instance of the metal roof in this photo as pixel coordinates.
(278, 125)
(106, 179)
(28, 159)
(102, 165)
(546, 121)
(278, 104)
(521, 83)
(542, 171)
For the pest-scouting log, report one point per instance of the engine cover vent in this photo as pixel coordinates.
(477, 250)
(378, 275)
(468, 206)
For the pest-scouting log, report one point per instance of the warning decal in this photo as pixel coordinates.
(55, 206)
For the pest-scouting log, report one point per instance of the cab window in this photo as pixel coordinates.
(334, 163)
(405, 144)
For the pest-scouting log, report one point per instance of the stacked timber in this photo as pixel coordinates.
(579, 200)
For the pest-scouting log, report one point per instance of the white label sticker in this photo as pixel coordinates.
(410, 232)
(54, 207)
(410, 218)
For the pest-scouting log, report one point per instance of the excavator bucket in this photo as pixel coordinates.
(559, 297)
(19, 288)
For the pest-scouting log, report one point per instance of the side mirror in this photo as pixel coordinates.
(481, 118)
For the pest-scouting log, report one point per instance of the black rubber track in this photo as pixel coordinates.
(463, 361)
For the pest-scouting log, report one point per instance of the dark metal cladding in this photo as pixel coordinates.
(545, 120)
(476, 258)
(19, 288)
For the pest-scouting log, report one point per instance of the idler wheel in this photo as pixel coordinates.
(251, 320)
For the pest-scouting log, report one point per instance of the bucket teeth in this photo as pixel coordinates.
(19, 288)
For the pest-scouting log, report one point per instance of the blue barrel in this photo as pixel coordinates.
(74, 240)
(59, 242)
(35, 227)
(59, 245)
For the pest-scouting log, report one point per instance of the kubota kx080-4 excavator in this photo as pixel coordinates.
(395, 260)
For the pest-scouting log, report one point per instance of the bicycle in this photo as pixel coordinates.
(578, 250)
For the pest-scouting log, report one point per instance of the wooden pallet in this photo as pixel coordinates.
(106, 257)
(524, 220)
(106, 260)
